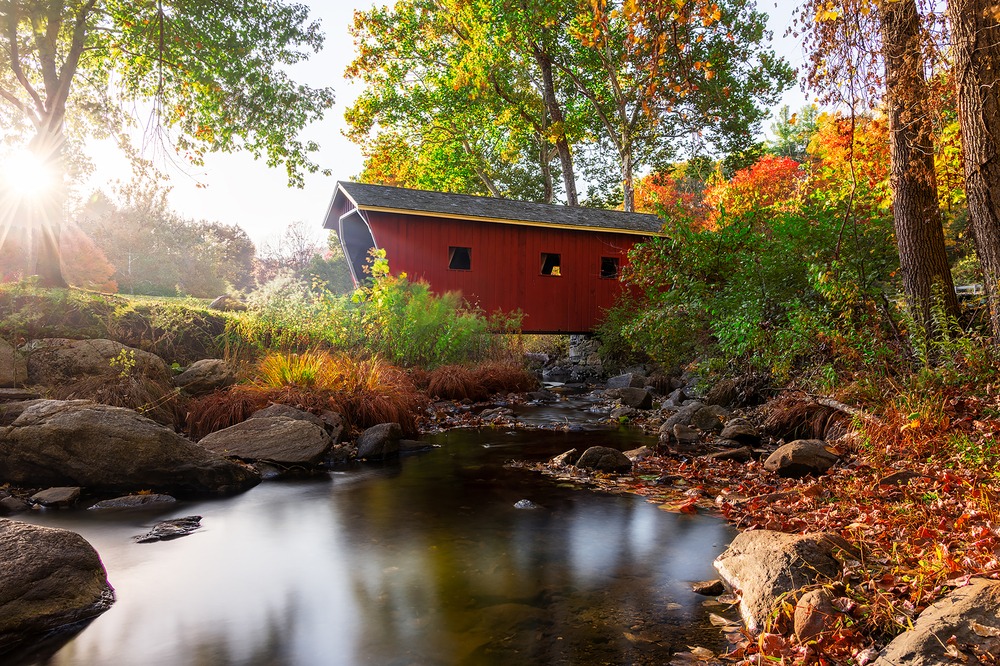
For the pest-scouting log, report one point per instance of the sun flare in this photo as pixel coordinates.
(26, 175)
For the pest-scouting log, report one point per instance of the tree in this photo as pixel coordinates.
(975, 28)
(213, 73)
(793, 131)
(457, 98)
(849, 43)
(661, 73)
(917, 220)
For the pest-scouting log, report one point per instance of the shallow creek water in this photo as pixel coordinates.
(425, 561)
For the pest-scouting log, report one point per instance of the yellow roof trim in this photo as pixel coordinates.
(524, 223)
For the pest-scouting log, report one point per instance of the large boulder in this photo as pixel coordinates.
(742, 431)
(50, 580)
(13, 367)
(54, 361)
(274, 439)
(763, 565)
(629, 379)
(971, 614)
(604, 459)
(110, 449)
(681, 416)
(709, 418)
(205, 376)
(636, 397)
(380, 441)
(800, 458)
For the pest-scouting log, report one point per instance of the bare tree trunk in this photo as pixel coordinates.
(916, 215)
(975, 30)
(628, 180)
(558, 125)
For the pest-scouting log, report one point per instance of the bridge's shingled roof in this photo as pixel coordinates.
(509, 211)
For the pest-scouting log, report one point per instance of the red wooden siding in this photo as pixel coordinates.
(506, 266)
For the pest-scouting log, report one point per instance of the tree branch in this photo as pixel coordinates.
(15, 60)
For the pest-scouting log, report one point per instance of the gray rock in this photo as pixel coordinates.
(13, 366)
(334, 423)
(542, 396)
(636, 397)
(971, 614)
(709, 418)
(623, 412)
(170, 529)
(57, 497)
(413, 445)
(685, 435)
(54, 361)
(815, 614)
(762, 565)
(227, 303)
(604, 459)
(681, 416)
(205, 376)
(709, 588)
(49, 580)
(526, 504)
(110, 449)
(743, 454)
(496, 413)
(567, 458)
(742, 431)
(676, 398)
(628, 379)
(278, 410)
(801, 457)
(18, 394)
(640, 453)
(723, 393)
(9, 411)
(11, 505)
(273, 439)
(380, 441)
(134, 501)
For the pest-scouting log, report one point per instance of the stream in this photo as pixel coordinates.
(424, 561)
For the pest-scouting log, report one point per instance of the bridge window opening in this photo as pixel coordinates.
(551, 264)
(609, 267)
(460, 258)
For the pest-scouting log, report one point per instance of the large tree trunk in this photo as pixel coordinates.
(44, 214)
(975, 30)
(916, 215)
(558, 125)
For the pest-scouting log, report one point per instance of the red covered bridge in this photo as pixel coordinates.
(557, 264)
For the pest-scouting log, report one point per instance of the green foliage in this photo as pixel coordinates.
(402, 321)
(765, 289)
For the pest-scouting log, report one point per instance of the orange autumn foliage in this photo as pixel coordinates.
(771, 181)
(672, 198)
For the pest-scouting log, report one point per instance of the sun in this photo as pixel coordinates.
(25, 175)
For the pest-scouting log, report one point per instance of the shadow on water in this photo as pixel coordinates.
(424, 562)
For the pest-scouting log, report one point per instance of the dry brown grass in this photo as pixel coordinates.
(456, 382)
(154, 399)
(365, 392)
(500, 377)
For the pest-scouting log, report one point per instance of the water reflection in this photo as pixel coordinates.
(425, 561)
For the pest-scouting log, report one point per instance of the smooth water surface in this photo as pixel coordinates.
(424, 562)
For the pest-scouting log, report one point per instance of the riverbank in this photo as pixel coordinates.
(919, 523)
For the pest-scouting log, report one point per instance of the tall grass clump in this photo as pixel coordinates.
(401, 321)
(364, 391)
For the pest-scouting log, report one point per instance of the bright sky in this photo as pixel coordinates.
(237, 190)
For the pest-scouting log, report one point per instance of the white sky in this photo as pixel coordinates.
(237, 190)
